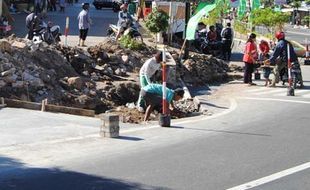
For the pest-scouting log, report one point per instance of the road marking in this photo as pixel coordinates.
(273, 99)
(297, 92)
(268, 91)
(272, 177)
(256, 89)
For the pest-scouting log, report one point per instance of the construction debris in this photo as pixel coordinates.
(102, 78)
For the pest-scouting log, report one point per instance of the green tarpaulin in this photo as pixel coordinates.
(193, 21)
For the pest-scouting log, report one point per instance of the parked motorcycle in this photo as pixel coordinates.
(295, 74)
(116, 5)
(132, 31)
(213, 48)
(48, 33)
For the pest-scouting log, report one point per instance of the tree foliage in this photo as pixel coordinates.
(296, 4)
(157, 21)
(216, 14)
(269, 18)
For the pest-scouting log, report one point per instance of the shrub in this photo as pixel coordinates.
(127, 42)
(157, 21)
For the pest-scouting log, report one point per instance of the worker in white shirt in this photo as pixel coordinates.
(147, 70)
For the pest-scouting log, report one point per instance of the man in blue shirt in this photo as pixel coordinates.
(281, 52)
(153, 95)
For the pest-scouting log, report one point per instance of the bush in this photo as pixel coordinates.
(127, 42)
(157, 21)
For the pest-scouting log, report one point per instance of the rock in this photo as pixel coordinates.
(125, 59)
(8, 72)
(109, 71)
(131, 105)
(5, 46)
(40, 92)
(18, 84)
(6, 66)
(27, 76)
(82, 99)
(36, 83)
(94, 76)
(20, 45)
(75, 82)
(10, 78)
(2, 84)
(93, 93)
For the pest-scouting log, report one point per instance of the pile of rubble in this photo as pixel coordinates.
(102, 78)
(203, 69)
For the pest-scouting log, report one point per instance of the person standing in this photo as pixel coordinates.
(264, 55)
(227, 38)
(37, 6)
(62, 4)
(53, 5)
(84, 24)
(147, 70)
(249, 58)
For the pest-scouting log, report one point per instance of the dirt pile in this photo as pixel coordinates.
(103, 77)
(98, 79)
(203, 69)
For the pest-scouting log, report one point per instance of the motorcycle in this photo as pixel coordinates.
(213, 48)
(295, 74)
(132, 31)
(48, 33)
(116, 5)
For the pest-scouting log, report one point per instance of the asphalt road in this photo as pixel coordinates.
(260, 141)
(299, 35)
(100, 22)
(263, 135)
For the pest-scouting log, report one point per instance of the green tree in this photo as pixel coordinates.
(267, 3)
(216, 14)
(269, 18)
(157, 21)
(306, 20)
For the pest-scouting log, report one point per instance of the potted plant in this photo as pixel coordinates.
(157, 21)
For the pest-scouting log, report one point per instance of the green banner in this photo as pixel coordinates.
(241, 9)
(194, 20)
(255, 4)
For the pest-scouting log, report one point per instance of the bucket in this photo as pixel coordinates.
(164, 120)
(257, 75)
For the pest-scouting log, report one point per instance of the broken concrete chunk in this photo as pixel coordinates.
(5, 46)
(75, 82)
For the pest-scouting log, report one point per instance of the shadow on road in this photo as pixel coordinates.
(213, 105)
(15, 175)
(129, 138)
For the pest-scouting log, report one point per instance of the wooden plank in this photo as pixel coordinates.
(22, 104)
(48, 107)
(70, 110)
